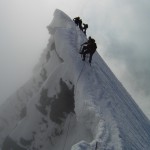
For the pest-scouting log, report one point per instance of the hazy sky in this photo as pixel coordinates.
(121, 29)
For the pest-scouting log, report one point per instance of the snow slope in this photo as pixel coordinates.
(75, 106)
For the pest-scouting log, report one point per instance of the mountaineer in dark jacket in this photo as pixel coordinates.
(84, 45)
(89, 49)
(76, 20)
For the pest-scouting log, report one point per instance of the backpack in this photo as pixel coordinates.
(92, 47)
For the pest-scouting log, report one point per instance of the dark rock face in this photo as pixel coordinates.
(25, 142)
(9, 144)
(62, 104)
(43, 74)
(44, 102)
(23, 112)
(53, 46)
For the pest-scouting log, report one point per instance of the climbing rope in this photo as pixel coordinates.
(71, 115)
(75, 93)
(80, 73)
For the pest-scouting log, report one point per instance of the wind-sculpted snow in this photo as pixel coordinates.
(75, 106)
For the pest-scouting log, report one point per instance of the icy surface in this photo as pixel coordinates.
(71, 105)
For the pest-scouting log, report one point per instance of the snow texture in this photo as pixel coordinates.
(69, 104)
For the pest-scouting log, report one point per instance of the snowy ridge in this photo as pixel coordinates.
(76, 106)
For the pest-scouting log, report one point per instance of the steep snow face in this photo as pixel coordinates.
(75, 106)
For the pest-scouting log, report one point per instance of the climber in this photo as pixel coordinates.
(84, 28)
(76, 20)
(90, 49)
(80, 24)
(84, 45)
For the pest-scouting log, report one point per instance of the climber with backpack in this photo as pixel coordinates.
(76, 20)
(90, 49)
(84, 28)
(84, 45)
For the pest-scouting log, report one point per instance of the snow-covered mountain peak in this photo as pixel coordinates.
(69, 104)
(60, 20)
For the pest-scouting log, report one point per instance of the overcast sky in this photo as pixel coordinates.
(121, 29)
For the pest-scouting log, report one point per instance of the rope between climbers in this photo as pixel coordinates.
(70, 115)
(75, 93)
